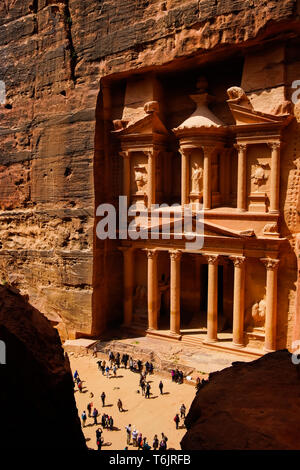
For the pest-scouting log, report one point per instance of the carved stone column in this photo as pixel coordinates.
(151, 177)
(275, 177)
(128, 275)
(152, 290)
(207, 177)
(185, 160)
(175, 292)
(242, 181)
(126, 175)
(271, 303)
(212, 299)
(238, 300)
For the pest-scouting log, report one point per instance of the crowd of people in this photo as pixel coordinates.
(134, 437)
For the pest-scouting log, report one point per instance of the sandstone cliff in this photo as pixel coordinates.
(247, 406)
(38, 408)
(54, 171)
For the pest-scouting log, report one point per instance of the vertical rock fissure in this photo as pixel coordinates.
(68, 27)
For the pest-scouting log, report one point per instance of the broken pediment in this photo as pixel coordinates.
(244, 114)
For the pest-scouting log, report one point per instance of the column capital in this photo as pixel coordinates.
(151, 253)
(238, 260)
(212, 259)
(124, 154)
(270, 263)
(275, 145)
(241, 147)
(149, 153)
(185, 151)
(175, 255)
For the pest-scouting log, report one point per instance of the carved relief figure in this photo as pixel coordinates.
(140, 299)
(197, 179)
(259, 176)
(259, 313)
(141, 177)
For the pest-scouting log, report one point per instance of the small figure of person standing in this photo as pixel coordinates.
(182, 411)
(177, 419)
(103, 396)
(95, 414)
(128, 433)
(83, 417)
(161, 386)
(120, 405)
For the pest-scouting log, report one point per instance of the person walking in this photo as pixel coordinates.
(98, 433)
(115, 370)
(110, 423)
(95, 414)
(100, 443)
(134, 437)
(89, 408)
(107, 371)
(161, 386)
(155, 444)
(176, 419)
(103, 367)
(79, 384)
(120, 405)
(148, 388)
(140, 441)
(83, 417)
(103, 396)
(182, 411)
(99, 365)
(128, 433)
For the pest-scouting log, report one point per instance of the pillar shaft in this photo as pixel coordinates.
(175, 293)
(126, 175)
(151, 178)
(206, 178)
(184, 177)
(128, 273)
(212, 299)
(275, 178)
(238, 300)
(271, 304)
(152, 290)
(242, 182)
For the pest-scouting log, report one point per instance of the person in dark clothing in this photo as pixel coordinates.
(99, 364)
(95, 414)
(161, 386)
(177, 419)
(103, 398)
(148, 387)
(100, 442)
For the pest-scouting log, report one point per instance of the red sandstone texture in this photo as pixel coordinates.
(53, 55)
(38, 405)
(252, 406)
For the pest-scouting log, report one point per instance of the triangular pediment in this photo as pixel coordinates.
(245, 116)
(149, 124)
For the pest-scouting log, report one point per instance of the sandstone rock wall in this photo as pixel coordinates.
(253, 406)
(53, 169)
(37, 396)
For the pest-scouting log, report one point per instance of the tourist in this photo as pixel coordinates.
(95, 351)
(115, 370)
(162, 445)
(155, 442)
(103, 396)
(75, 375)
(180, 377)
(182, 411)
(151, 368)
(103, 420)
(146, 445)
(79, 384)
(100, 442)
(103, 367)
(128, 433)
(120, 405)
(161, 386)
(148, 388)
(147, 366)
(98, 433)
(134, 437)
(83, 417)
(110, 423)
(164, 438)
(176, 419)
(139, 364)
(173, 375)
(140, 441)
(107, 371)
(95, 414)
(89, 408)
(99, 365)
(143, 386)
(117, 360)
(131, 364)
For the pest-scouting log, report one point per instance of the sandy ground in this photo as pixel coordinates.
(149, 416)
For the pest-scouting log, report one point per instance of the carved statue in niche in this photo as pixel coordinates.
(197, 179)
(258, 313)
(141, 177)
(140, 299)
(259, 175)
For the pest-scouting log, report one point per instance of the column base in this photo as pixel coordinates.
(175, 335)
(211, 340)
(238, 345)
(274, 212)
(269, 350)
(241, 210)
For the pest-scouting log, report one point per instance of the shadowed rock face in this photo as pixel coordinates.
(38, 408)
(248, 406)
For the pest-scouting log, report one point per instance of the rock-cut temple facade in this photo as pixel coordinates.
(170, 103)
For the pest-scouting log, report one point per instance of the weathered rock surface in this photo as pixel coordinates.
(38, 408)
(53, 55)
(251, 405)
